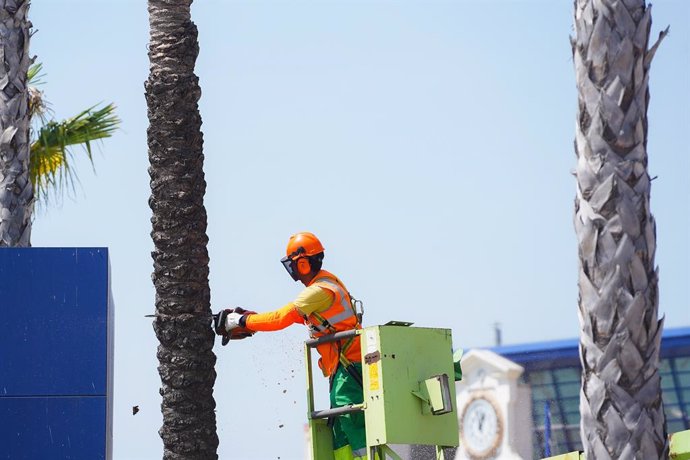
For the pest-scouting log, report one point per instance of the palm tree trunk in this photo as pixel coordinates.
(620, 401)
(16, 193)
(180, 256)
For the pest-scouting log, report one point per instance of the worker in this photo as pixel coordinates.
(325, 307)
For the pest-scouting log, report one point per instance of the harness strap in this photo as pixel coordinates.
(322, 324)
(347, 364)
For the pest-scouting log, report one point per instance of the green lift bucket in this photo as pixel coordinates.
(409, 390)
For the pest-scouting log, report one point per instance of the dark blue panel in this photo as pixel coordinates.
(563, 353)
(675, 342)
(542, 355)
(53, 428)
(53, 314)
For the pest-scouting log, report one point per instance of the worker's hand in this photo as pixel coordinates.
(228, 320)
(232, 320)
(229, 324)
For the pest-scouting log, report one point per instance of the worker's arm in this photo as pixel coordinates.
(313, 299)
(273, 320)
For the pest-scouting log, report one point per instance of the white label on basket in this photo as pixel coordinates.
(372, 344)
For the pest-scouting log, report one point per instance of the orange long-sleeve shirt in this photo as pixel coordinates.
(311, 299)
(274, 320)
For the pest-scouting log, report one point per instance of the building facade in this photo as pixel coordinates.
(546, 380)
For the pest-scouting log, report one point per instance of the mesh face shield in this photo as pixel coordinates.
(290, 263)
(290, 266)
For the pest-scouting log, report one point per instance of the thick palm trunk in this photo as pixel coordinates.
(180, 257)
(16, 193)
(620, 400)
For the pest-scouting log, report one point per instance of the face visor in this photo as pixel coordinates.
(290, 263)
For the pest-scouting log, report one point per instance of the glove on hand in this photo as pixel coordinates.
(227, 320)
(230, 325)
(232, 321)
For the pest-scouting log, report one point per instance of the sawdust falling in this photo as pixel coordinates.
(278, 357)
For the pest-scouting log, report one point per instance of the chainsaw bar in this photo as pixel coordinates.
(235, 334)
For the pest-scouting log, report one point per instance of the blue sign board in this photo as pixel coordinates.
(55, 354)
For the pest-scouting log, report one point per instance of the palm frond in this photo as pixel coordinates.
(52, 150)
(34, 75)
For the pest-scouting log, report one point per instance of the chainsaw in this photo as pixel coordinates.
(237, 333)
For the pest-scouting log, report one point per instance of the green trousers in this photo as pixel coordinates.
(348, 429)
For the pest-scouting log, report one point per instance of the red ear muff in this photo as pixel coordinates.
(303, 266)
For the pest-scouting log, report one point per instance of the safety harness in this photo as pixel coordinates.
(321, 324)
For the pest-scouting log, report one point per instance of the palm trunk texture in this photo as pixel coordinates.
(180, 257)
(16, 192)
(621, 409)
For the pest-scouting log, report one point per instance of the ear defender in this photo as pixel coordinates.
(303, 266)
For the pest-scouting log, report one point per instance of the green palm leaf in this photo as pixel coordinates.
(52, 151)
(34, 75)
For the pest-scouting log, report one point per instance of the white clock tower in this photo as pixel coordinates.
(495, 410)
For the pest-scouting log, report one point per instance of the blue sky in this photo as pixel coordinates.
(429, 144)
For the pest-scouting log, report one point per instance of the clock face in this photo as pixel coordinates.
(482, 428)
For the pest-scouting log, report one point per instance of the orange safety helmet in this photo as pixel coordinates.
(301, 246)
